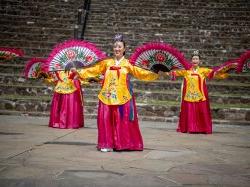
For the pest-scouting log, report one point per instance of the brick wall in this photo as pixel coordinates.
(219, 28)
(37, 25)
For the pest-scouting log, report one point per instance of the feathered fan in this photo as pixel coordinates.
(33, 68)
(73, 53)
(158, 56)
(244, 62)
(9, 53)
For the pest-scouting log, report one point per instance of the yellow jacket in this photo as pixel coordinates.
(115, 89)
(195, 82)
(63, 84)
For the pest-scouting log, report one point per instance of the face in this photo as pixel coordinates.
(119, 49)
(195, 61)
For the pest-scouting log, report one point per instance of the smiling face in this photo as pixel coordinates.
(195, 61)
(119, 49)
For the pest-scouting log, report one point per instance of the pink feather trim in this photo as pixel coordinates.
(72, 43)
(160, 46)
(241, 61)
(30, 63)
(12, 51)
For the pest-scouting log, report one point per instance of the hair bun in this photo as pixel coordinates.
(196, 53)
(118, 37)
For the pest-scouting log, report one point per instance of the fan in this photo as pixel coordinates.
(33, 68)
(9, 53)
(159, 56)
(73, 53)
(244, 63)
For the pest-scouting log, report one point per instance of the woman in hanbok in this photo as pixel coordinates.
(67, 104)
(195, 115)
(118, 127)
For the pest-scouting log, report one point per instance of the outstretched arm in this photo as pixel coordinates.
(93, 71)
(221, 72)
(47, 78)
(176, 73)
(142, 74)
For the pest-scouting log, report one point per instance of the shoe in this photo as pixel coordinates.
(106, 150)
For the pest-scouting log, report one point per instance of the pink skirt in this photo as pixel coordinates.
(67, 111)
(195, 117)
(118, 127)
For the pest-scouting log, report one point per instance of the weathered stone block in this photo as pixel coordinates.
(21, 107)
(9, 105)
(248, 116)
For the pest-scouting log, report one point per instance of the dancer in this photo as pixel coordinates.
(67, 103)
(118, 127)
(195, 115)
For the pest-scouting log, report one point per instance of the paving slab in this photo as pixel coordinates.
(32, 154)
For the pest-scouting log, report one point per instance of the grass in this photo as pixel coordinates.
(149, 102)
(159, 92)
(177, 103)
(20, 97)
(178, 93)
(12, 65)
(218, 82)
(234, 84)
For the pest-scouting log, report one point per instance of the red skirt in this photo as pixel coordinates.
(118, 127)
(195, 117)
(67, 111)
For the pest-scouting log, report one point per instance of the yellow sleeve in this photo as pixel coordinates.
(93, 71)
(49, 79)
(142, 74)
(222, 72)
(206, 71)
(179, 73)
(221, 75)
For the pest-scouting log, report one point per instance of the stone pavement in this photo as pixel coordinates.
(31, 154)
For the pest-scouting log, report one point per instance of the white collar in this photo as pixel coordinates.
(117, 62)
(195, 69)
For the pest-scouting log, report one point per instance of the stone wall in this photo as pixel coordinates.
(219, 29)
(37, 25)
